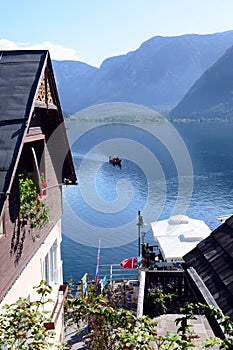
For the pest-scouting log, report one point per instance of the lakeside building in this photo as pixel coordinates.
(209, 267)
(206, 259)
(34, 146)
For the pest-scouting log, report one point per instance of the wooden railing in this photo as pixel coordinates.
(58, 307)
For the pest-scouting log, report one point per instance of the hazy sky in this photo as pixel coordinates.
(92, 30)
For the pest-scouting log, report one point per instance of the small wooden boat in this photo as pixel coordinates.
(115, 161)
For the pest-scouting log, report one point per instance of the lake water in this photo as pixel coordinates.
(166, 169)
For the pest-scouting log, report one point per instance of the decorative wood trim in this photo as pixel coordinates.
(44, 95)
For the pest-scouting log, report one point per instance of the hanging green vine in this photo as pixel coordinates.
(32, 206)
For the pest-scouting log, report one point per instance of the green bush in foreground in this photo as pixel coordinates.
(116, 328)
(109, 327)
(22, 324)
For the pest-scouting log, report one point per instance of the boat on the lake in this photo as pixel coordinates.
(115, 161)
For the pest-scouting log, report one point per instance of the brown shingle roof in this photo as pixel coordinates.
(212, 260)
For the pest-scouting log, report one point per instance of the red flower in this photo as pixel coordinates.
(44, 184)
(40, 196)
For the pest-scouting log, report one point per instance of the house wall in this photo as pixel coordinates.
(22, 258)
(34, 273)
(23, 261)
(17, 246)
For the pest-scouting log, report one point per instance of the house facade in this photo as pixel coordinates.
(34, 158)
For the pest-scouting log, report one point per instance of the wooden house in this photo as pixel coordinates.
(33, 146)
(209, 267)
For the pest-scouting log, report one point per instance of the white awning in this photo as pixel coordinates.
(178, 235)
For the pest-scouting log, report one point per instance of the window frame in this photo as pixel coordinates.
(51, 265)
(32, 163)
(2, 226)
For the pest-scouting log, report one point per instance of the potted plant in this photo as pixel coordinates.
(33, 208)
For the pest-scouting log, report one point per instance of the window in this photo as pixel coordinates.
(32, 162)
(2, 226)
(51, 265)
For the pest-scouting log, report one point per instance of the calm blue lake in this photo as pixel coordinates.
(166, 169)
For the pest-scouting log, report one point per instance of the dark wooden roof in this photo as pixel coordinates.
(212, 264)
(20, 76)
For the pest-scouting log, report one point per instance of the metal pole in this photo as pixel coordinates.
(111, 275)
(139, 233)
(142, 280)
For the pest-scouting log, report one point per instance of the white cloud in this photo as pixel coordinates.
(57, 52)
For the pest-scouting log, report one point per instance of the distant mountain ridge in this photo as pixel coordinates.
(158, 74)
(211, 97)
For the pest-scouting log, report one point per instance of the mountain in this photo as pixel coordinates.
(74, 79)
(212, 95)
(158, 74)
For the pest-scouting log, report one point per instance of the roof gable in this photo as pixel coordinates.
(24, 85)
(19, 75)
